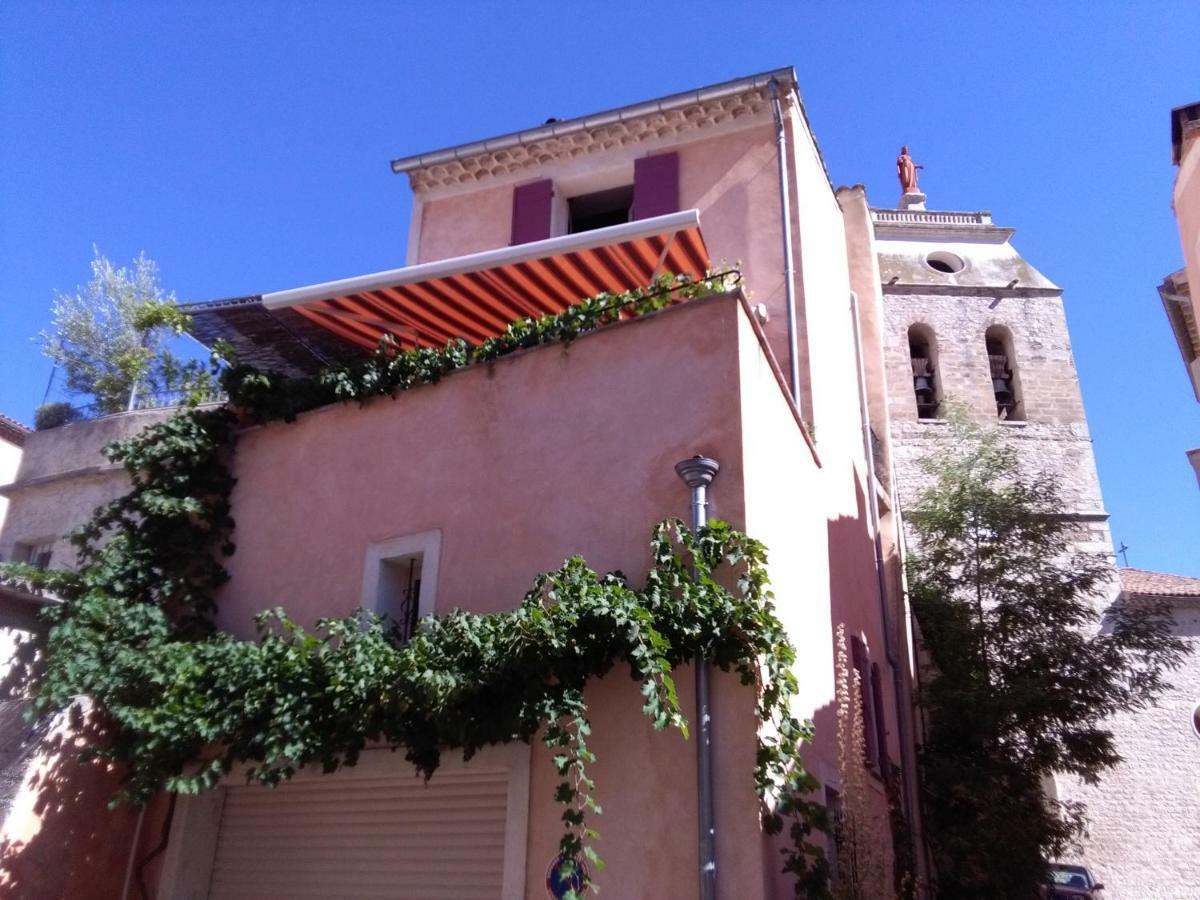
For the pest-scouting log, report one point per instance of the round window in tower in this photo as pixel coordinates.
(945, 262)
(1196, 719)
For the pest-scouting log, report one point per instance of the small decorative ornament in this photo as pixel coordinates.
(558, 883)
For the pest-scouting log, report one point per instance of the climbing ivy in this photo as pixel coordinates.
(134, 635)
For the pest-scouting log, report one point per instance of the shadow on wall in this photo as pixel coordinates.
(854, 603)
(61, 840)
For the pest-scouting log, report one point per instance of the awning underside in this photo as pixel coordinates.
(476, 305)
(470, 297)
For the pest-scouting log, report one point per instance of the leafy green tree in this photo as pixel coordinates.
(1027, 666)
(110, 337)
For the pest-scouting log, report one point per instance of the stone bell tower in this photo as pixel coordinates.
(968, 319)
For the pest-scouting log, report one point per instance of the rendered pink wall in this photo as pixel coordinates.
(731, 177)
(558, 451)
(520, 464)
(465, 223)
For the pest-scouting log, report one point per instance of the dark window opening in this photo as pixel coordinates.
(880, 717)
(837, 819)
(1004, 375)
(600, 210)
(37, 555)
(870, 717)
(924, 374)
(400, 595)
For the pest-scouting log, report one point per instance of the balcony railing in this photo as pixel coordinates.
(51, 415)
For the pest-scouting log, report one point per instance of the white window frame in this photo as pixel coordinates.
(192, 851)
(568, 185)
(427, 545)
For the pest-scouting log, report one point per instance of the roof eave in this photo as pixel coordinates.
(786, 75)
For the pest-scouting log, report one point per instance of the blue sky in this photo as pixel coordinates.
(244, 146)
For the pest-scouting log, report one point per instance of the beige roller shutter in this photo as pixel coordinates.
(349, 836)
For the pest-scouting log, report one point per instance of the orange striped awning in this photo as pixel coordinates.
(475, 297)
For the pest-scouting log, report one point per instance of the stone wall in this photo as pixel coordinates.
(1053, 437)
(1144, 817)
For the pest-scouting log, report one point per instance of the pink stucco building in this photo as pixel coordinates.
(798, 381)
(474, 485)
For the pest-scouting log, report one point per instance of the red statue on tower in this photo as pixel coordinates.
(907, 170)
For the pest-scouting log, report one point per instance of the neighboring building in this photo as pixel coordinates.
(61, 478)
(1182, 305)
(1158, 849)
(13, 624)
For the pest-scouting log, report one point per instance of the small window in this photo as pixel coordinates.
(399, 581)
(399, 594)
(601, 209)
(1196, 719)
(922, 352)
(1002, 365)
(36, 554)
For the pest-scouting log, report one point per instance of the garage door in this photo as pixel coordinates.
(340, 836)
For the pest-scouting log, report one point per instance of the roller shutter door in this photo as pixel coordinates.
(346, 836)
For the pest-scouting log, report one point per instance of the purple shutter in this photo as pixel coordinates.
(531, 211)
(858, 653)
(880, 721)
(655, 186)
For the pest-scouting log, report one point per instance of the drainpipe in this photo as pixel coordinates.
(907, 762)
(697, 473)
(133, 848)
(789, 268)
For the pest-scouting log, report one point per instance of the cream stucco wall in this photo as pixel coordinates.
(10, 460)
(1186, 202)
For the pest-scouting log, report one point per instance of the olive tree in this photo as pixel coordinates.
(110, 337)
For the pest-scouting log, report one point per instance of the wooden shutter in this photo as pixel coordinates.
(392, 837)
(655, 186)
(880, 720)
(858, 652)
(531, 211)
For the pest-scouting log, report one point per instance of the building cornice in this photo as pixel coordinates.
(1175, 293)
(1185, 123)
(967, 290)
(913, 224)
(717, 106)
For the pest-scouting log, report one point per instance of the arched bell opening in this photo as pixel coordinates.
(927, 388)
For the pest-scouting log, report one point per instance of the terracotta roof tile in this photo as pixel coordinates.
(1140, 582)
(13, 431)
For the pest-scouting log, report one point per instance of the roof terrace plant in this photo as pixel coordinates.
(111, 339)
(135, 635)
